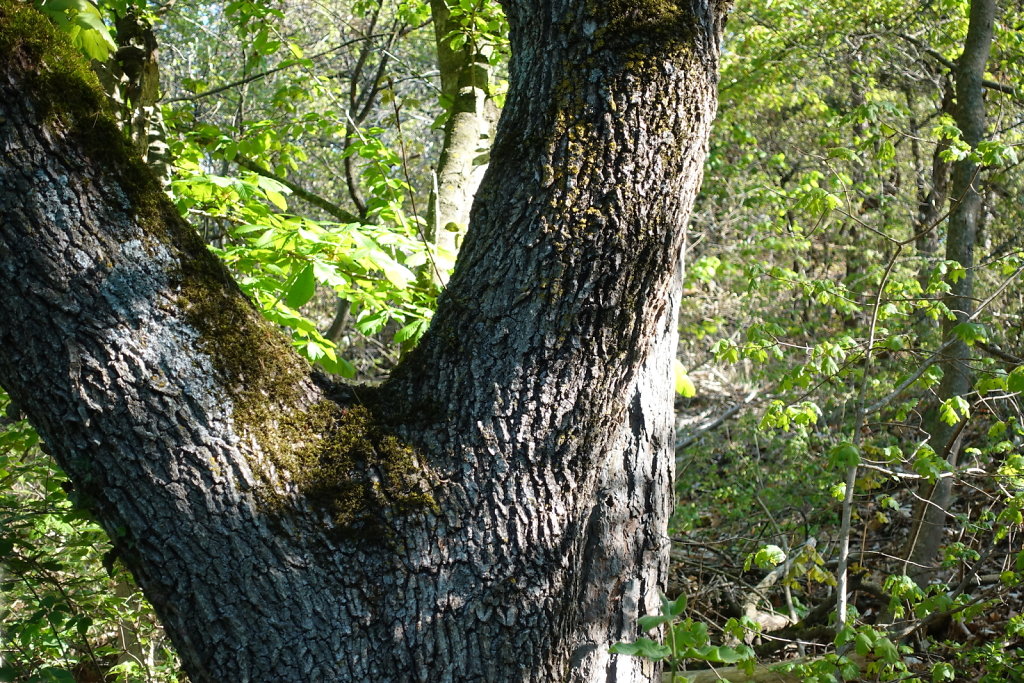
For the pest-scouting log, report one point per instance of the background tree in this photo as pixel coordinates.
(258, 487)
(814, 277)
(961, 236)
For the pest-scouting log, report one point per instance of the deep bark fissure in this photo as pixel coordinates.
(539, 403)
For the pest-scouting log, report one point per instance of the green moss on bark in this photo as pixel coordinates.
(639, 16)
(347, 465)
(646, 29)
(68, 98)
(342, 460)
(62, 81)
(251, 357)
(253, 360)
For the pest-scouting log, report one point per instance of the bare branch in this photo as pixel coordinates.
(287, 64)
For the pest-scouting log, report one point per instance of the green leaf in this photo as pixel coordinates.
(886, 151)
(863, 643)
(885, 650)
(954, 409)
(93, 38)
(943, 671)
(277, 199)
(684, 385)
(725, 350)
(844, 455)
(53, 6)
(673, 608)
(337, 365)
(957, 150)
(928, 464)
(313, 351)
(52, 674)
(302, 288)
(726, 655)
(413, 331)
(842, 153)
(766, 558)
(1015, 382)
(956, 271)
(990, 383)
(896, 342)
(996, 153)
(274, 191)
(970, 333)
(458, 41)
(652, 621)
(690, 634)
(846, 635)
(83, 626)
(82, 22)
(947, 130)
(643, 647)
(770, 556)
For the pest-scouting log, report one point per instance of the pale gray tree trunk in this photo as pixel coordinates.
(466, 82)
(496, 511)
(969, 113)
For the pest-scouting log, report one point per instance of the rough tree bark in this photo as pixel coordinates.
(496, 510)
(965, 211)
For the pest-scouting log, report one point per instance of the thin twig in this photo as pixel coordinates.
(937, 355)
(263, 74)
(842, 578)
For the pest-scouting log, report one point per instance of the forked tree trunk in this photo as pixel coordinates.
(497, 510)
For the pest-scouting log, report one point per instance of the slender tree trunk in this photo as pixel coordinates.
(932, 196)
(468, 132)
(496, 511)
(137, 72)
(930, 520)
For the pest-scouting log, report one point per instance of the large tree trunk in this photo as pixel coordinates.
(496, 511)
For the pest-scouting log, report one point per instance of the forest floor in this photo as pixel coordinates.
(738, 493)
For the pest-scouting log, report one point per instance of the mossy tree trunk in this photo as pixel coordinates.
(497, 510)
